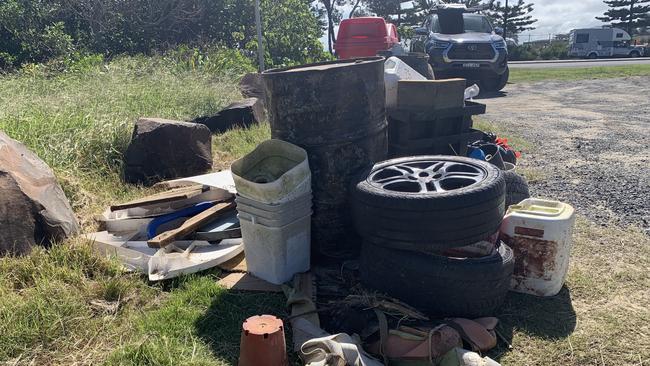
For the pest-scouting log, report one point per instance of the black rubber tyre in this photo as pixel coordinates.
(503, 80)
(516, 188)
(436, 285)
(495, 84)
(430, 221)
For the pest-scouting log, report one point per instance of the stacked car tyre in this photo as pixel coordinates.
(410, 210)
(516, 188)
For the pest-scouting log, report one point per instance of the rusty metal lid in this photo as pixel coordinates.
(262, 325)
(328, 65)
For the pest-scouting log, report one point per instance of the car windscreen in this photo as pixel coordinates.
(475, 23)
(454, 23)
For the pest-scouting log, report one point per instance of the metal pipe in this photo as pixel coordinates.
(260, 45)
(505, 22)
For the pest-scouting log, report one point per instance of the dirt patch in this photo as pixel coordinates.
(592, 141)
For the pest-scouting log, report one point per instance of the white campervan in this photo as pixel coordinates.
(602, 42)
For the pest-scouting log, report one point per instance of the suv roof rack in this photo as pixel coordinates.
(440, 5)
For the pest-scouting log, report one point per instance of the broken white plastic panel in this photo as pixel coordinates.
(220, 180)
(394, 71)
(182, 257)
(178, 259)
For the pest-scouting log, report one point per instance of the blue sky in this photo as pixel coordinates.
(557, 16)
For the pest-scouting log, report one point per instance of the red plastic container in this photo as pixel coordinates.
(262, 342)
(364, 37)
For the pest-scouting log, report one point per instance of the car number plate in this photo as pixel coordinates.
(472, 65)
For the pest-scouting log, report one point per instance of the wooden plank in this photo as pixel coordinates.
(168, 196)
(430, 94)
(191, 225)
(247, 282)
(237, 264)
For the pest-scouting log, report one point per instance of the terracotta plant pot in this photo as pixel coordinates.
(262, 342)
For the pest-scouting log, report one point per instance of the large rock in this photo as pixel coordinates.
(162, 149)
(33, 207)
(243, 113)
(252, 86)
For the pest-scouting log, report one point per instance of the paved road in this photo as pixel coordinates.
(578, 63)
(591, 143)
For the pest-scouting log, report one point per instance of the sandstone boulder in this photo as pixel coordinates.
(252, 86)
(33, 207)
(243, 113)
(162, 149)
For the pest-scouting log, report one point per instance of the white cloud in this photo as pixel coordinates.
(561, 16)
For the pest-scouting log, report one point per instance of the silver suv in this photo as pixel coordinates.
(461, 44)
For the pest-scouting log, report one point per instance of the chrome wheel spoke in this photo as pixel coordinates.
(427, 176)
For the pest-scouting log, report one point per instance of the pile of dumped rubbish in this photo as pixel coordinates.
(394, 227)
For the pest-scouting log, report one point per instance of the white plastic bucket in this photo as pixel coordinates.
(275, 172)
(540, 234)
(273, 221)
(278, 208)
(274, 215)
(276, 254)
(394, 71)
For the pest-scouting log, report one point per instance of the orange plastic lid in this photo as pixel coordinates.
(262, 324)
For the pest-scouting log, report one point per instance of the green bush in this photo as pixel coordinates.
(530, 52)
(210, 59)
(32, 31)
(35, 31)
(555, 51)
(522, 53)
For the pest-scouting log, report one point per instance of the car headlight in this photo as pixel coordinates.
(441, 44)
(500, 44)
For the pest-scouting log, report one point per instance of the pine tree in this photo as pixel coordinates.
(334, 16)
(630, 14)
(513, 18)
(387, 9)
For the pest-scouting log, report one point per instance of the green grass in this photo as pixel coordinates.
(525, 75)
(81, 123)
(66, 306)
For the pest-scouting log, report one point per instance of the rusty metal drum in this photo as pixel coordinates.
(335, 111)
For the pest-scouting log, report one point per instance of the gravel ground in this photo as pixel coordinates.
(591, 143)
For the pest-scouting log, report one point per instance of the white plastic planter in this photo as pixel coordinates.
(276, 254)
(540, 234)
(275, 172)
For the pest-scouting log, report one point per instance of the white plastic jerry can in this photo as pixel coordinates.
(394, 71)
(540, 234)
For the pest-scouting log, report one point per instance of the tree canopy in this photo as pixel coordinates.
(627, 14)
(516, 17)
